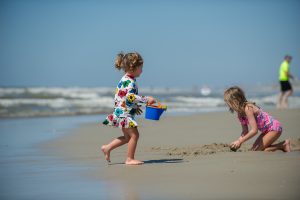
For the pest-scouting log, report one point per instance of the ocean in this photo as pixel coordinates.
(57, 101)
(27, 172)
(33, 115)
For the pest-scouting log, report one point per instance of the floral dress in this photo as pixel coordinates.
(126, 104)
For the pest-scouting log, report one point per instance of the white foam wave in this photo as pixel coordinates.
(37, 101)
(58, 103)
(75, 92)
(294, 101)
(198, 101)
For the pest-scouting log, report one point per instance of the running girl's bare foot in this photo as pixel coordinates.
(287, 146)
(106, 152)
(133, 162)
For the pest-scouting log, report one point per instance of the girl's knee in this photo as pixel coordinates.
(135, 135)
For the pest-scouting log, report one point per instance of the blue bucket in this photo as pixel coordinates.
(153, 112)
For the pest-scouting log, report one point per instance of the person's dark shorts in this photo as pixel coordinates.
(285, 86)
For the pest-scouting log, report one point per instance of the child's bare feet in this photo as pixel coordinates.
(287, 146)
(106, 152)
(133, 162)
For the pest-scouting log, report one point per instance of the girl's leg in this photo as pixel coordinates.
(264, 143)
(132, 143)
(106, 149)
(284, 146)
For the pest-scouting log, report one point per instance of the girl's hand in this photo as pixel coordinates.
(236, 144)
(151, 100)
(139, 111)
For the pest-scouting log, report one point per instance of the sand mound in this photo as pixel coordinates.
(209, 149)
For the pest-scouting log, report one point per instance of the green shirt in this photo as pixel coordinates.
(283, 71)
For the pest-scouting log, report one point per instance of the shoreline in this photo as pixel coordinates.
(187, 156)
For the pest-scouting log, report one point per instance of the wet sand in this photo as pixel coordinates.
(187, 157)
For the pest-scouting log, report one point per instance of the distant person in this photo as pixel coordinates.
(250, 114)
(285, 85)
(126, 107)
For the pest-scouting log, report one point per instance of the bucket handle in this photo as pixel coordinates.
(159, 105)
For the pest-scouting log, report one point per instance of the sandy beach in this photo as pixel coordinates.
(187, 157)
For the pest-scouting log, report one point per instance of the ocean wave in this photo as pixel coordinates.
(294, 101)
(199, 101)
(41, 101)
(52, 93)
(58, 103)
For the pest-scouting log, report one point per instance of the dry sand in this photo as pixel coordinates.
(187, 157)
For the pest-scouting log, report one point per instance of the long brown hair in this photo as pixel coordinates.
(236, 100)
(129, 61)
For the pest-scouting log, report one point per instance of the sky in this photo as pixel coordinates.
(188, 43)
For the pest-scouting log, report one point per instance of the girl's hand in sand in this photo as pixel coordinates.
(236, 144)
(151, 100)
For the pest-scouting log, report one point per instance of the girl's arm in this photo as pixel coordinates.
(132, 97)
(252, 122)
(244, 130)
(246, 134)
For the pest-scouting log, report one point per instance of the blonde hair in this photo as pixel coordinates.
(236, 100)
(129, 61)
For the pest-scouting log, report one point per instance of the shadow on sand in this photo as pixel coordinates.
(158, 161)
(163, 161)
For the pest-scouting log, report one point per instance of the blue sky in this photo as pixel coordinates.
(183, 43)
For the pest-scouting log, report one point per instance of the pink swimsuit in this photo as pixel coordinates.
(265, 122)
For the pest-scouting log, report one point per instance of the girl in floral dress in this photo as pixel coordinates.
(126, 106)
